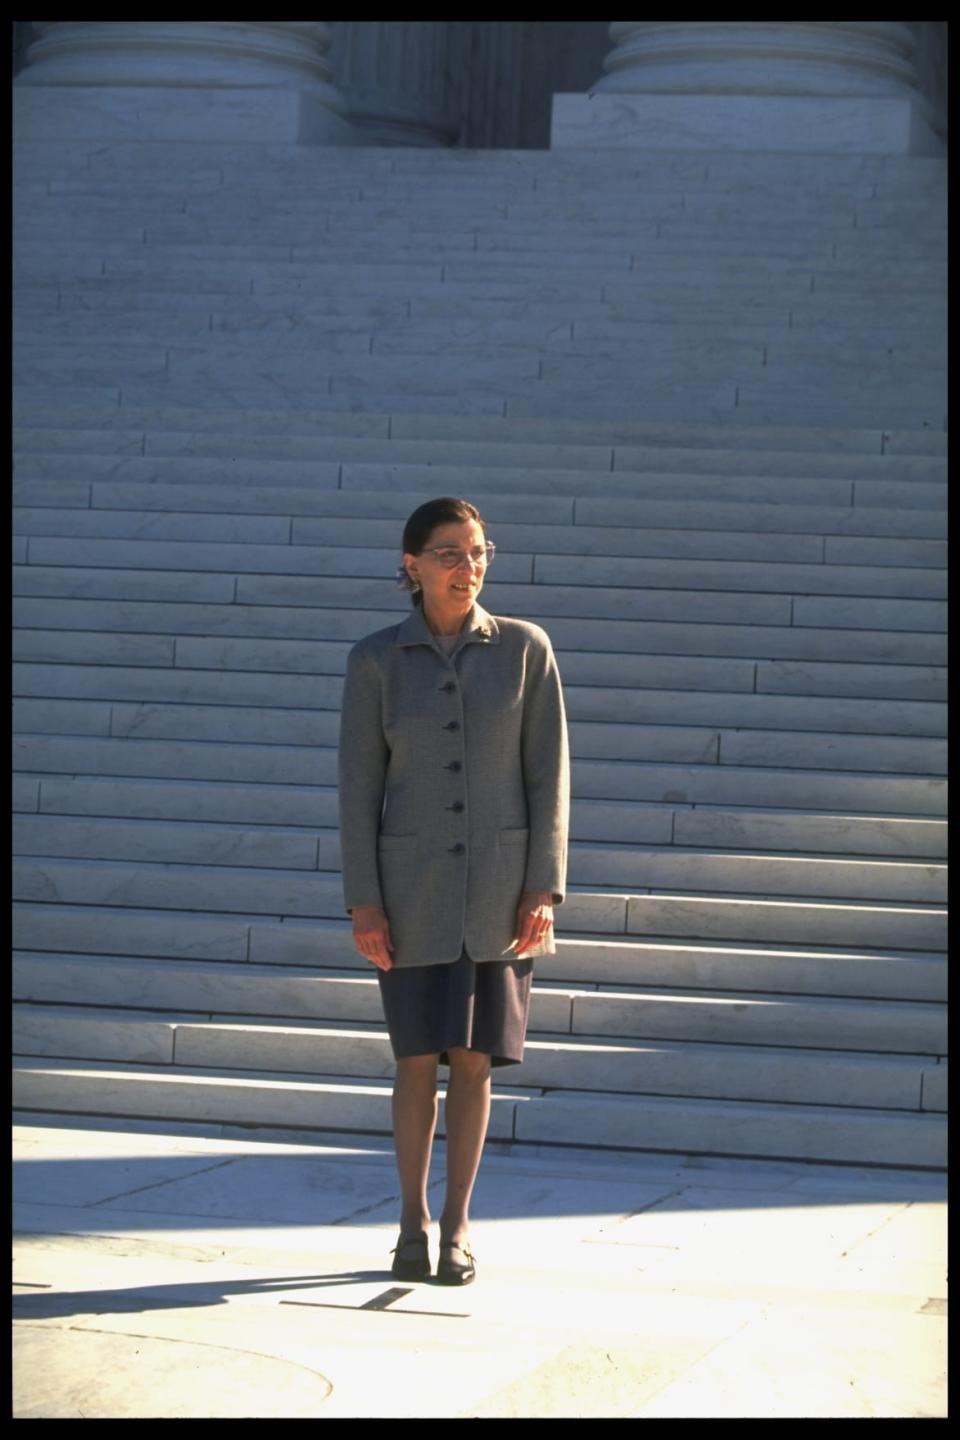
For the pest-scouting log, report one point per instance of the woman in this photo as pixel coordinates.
(454, 807)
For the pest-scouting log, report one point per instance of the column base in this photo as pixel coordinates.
(800, 124)
(251, 115)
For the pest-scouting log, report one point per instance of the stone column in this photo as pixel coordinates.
(395, 77)
(818, 86)
(180, 80)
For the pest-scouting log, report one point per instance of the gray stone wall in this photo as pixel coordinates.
(22, 36)
(931, 60)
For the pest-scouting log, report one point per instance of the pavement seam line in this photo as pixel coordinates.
(206, 1344)
(158, 1184)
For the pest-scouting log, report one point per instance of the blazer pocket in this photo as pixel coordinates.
(515, 837)
(396, 842)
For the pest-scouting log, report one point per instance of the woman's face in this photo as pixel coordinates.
(450, 590)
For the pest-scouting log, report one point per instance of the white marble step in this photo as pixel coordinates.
(198, 936)
(707, 400)
(744, 828)
(628, 671)
(584, 1060)
(588, 485)
(741, 575)
(639, 867)
(813, 266)
(613, 861)
(78, 280)
(198, 444)
(285, 730)
(790, 212)
(25, 793)
(181, 519)
(295, 893)
(319, 577)
(93, 298)
(490, 429)
(489, 208)
(362, 509)
(90, 361)
(666, 762)
(154, 585)
(573, 602)
(785, 922)
(261, 270)
(55, 702)
(895, 346)
(660, 197)
(912, 319)
(283, 847)
(245, 221)
(94, 732)
(189, 683)
(780, 407)
(196, 269)
(855, 334)
(773, 969)
(279, 447)
(784, 780)
(917, 350)
(814, 1132)
(479, 223)
(794, 712)
(468, 231)
(437, 166)
(640, 241)
(70, 1087)
(600, 959)
(598, 601)
(304, 657)
(522, 381)
(818, 405)
(631, 637)
(826, 1132)
(738, 1017)
(279, 544)
(449, 251)
(741, 827)
(271, 764)
(738, 827)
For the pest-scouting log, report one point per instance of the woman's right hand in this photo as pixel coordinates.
(371, 934)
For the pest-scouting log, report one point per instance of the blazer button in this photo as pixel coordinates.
(449, 686)
(457, 805)
(458, 849)
(454, 765)
(452, 725)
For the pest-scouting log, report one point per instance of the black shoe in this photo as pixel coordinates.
(450, 1271)
(417, 1264)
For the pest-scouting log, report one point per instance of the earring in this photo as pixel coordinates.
(405, 581)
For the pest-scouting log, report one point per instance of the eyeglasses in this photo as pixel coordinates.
(450, 556)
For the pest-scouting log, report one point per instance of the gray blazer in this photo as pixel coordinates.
(454, 784)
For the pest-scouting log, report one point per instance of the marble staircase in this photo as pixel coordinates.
(700, 402)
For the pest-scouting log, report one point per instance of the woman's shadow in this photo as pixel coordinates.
(51, 1304)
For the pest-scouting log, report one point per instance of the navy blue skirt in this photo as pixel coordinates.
(429, 1008)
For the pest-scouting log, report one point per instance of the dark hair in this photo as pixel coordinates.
(424, 520)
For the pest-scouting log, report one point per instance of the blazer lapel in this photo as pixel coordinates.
(480, 628)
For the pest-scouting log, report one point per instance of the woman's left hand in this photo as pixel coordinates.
(534, 919)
